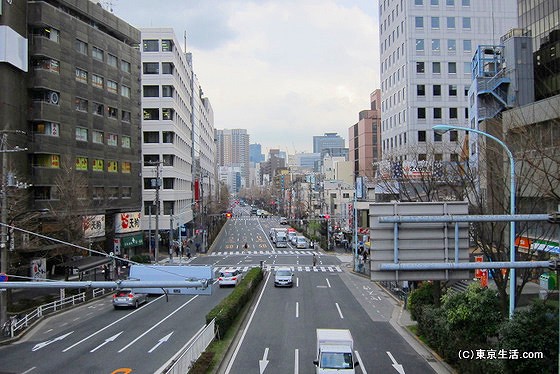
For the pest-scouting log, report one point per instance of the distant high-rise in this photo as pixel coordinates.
(329, 140)
(255, 153)
(426, 52)
(232, 146)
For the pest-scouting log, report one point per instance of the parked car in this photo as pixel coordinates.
(128, 298)
(301, 242)
(230, 277)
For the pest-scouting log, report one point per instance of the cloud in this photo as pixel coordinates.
(283, 69)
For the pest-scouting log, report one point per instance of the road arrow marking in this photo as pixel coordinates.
(161, 341)
(398, 367)
(108, 340)
(44, 344)
(264, 362)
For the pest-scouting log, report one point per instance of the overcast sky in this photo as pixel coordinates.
(285, 70)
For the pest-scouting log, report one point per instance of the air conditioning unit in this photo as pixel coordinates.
(53, 98)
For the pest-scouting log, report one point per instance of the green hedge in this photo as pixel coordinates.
(230, 307)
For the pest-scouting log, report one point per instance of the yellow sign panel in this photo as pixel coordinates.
(97, 165)
(112, 166)
(81, 163)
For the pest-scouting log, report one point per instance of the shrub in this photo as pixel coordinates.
(141, 259)
(420, 297)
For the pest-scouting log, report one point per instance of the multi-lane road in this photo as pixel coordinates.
(278, 336)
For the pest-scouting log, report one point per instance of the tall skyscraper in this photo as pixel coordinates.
(331, 140)
(426, 52)
(255, 153)
(232, 146)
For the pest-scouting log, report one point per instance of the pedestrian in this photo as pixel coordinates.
(245, 245)
(314, 260)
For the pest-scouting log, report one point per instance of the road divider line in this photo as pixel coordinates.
(360, 361)
(328, 283)
(339, 311)
(297, 309)
(296, 361)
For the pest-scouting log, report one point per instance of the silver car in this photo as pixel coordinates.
(128, 298)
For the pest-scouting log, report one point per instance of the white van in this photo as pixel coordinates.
(284, 277)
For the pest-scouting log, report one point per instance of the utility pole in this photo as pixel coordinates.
(4, 216)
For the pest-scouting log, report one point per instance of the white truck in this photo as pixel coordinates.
(335, 352)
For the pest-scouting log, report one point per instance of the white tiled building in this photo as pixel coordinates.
(177, 130)
(426, 52)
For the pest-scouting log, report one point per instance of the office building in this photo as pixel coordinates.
(426, 52)
(232, 149)
(329, 140)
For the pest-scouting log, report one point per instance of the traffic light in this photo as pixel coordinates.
(228, 215)
(327, 217)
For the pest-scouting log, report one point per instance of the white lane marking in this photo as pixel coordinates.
(264, 362)
(297, 309)
(360, 361)
(161, 341)
(29, 370)
(296, 361)
(236, 351)
(328, 283)
(297, 281)
(157, 324)
(38, 346)
(339, 311)
(107, 341)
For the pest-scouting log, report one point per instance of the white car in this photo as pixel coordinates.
(284, 277)
(283, 221)
(292, 237)
(230, 277)
(301, 242)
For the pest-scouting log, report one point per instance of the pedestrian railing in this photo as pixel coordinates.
(15, 325)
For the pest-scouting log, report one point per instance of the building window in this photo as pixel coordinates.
(97, 137)
(46, 128)
(81, 104)
(453, 135)
(46, 64)
(46, 32)
(150, 45)
(98, 165)
(151, 91)
(166, 45)
(437, 113)
(125, 66)
(419, 22)
(151, 160)
(452, 67)
(112, 60)
(437, 136)
(467, 23)
(168, 160)
(421, 113)
(98, 192)
(436, 45)
(454, 157)
(466, 68)
(421, 136)
(435, 22)
(466, 113)
(166, 91)
(167, 113)
(422, 157)
(112, 112)
(168, 207)
(125, 91)
(125, 141)
(450, 22)
(48, 161)
(81, 47)
(98, 109)
(420, 67)
(453, 113)
(125, 116)
(452, 90)
(97, 81)
(438, 157)
(168, 183)
(467, 45)
(81, 134)
(126, 167)
(112, 87)
(419, 45)
(421, 90)
(451, 45)
(437, 90)
(450, 2)
(81, 75)
(112, 166)
(168, 137)
(434, 2)
(436, 67)
(97, 53)
(150, 68)
(167, 68)
(112, 140)
(466, 2)
(81, 163)
(418, 2)
(151, 114)
(126, 191)
(151, 137)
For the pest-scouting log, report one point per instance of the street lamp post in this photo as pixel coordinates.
(512, 278)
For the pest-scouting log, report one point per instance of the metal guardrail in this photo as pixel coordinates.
(16, 325)
(193, 349)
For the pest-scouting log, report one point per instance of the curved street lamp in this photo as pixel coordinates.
(512, 280)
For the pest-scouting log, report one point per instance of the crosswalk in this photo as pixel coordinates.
(269, 252)
(294, 268)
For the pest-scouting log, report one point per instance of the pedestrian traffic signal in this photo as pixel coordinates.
(228, 215)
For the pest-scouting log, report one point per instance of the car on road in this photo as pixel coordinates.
(283, 221)
(292, 237)
(128, 298)
(230, 277)
(301, 242)
(284, 277)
